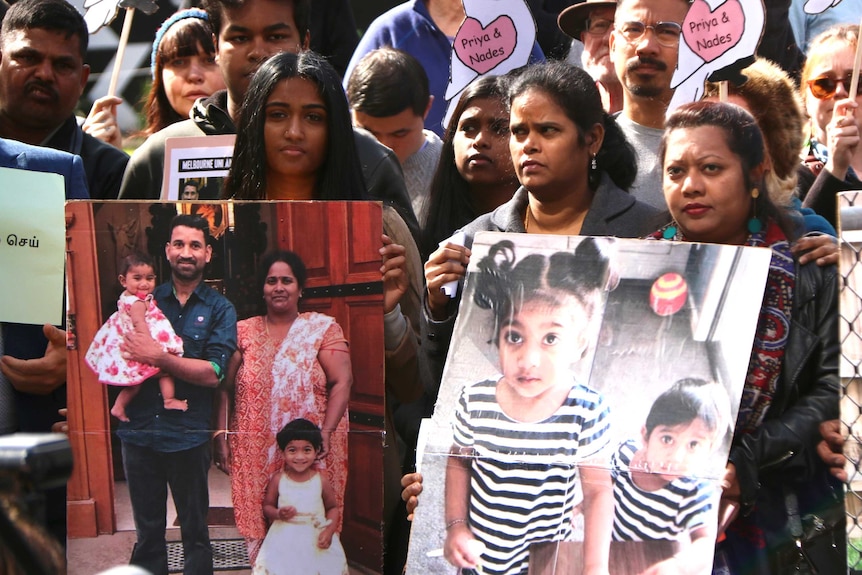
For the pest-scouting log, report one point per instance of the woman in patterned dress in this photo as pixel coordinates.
(287, 365)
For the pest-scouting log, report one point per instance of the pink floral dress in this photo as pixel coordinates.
(104, 356)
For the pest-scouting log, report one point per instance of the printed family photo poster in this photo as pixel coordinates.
(850, 336)
(195, 167)
(281, 378)
(559, 410)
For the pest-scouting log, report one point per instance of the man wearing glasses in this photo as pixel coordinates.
(591, 22)
(644, 46)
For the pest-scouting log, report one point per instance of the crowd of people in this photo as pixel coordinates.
(579, 145)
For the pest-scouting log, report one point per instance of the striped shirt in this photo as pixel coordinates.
(523, 485)
(682, 505)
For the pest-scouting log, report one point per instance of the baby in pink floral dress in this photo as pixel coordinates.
(136, 311)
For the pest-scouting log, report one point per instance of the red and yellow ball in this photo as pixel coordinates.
(668, 294)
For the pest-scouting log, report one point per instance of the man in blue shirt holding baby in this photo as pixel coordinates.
(162, 447)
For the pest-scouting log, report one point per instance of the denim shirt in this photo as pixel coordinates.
(207, 325)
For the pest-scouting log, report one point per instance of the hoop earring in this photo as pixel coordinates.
(754, 224)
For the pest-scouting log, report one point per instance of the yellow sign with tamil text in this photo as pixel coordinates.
(32, 231)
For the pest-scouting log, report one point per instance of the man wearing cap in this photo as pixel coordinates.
(591, 22)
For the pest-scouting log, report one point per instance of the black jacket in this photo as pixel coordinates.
(103, 163)
(780, 456)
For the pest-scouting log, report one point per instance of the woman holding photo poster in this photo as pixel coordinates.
(295, 142)
(778, 439)
(574, 166)
(778, 494)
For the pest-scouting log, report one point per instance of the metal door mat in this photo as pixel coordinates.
(228, 555)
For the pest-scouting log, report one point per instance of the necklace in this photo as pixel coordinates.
(266, 323)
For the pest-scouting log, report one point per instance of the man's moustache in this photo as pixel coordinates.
(658, 64)
(43, 87)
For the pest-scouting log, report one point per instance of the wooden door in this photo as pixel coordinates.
(90, 493)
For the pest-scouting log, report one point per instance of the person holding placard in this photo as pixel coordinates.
(775, 483)
(269, 27)
(834, 156)
(33, 364)
(574, 166)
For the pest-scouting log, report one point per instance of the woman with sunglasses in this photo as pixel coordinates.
(834, 156)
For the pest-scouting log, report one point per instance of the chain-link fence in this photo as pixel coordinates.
(850, 326)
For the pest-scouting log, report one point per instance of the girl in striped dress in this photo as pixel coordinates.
(517, 466)
(657, 498)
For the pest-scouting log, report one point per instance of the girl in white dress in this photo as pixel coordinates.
(302, 507)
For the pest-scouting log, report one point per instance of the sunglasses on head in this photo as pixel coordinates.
(825, 87)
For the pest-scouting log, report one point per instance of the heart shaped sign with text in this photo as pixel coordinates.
(483, 48)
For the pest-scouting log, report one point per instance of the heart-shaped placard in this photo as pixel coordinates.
(483, 48)
(709, 33)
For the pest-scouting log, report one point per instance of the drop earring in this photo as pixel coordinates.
(593, 177)
(754, 224)
(671, 232)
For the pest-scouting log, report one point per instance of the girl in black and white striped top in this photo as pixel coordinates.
(516, 469)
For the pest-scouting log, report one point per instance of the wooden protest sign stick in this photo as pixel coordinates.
(121, 50)
(854, 81)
